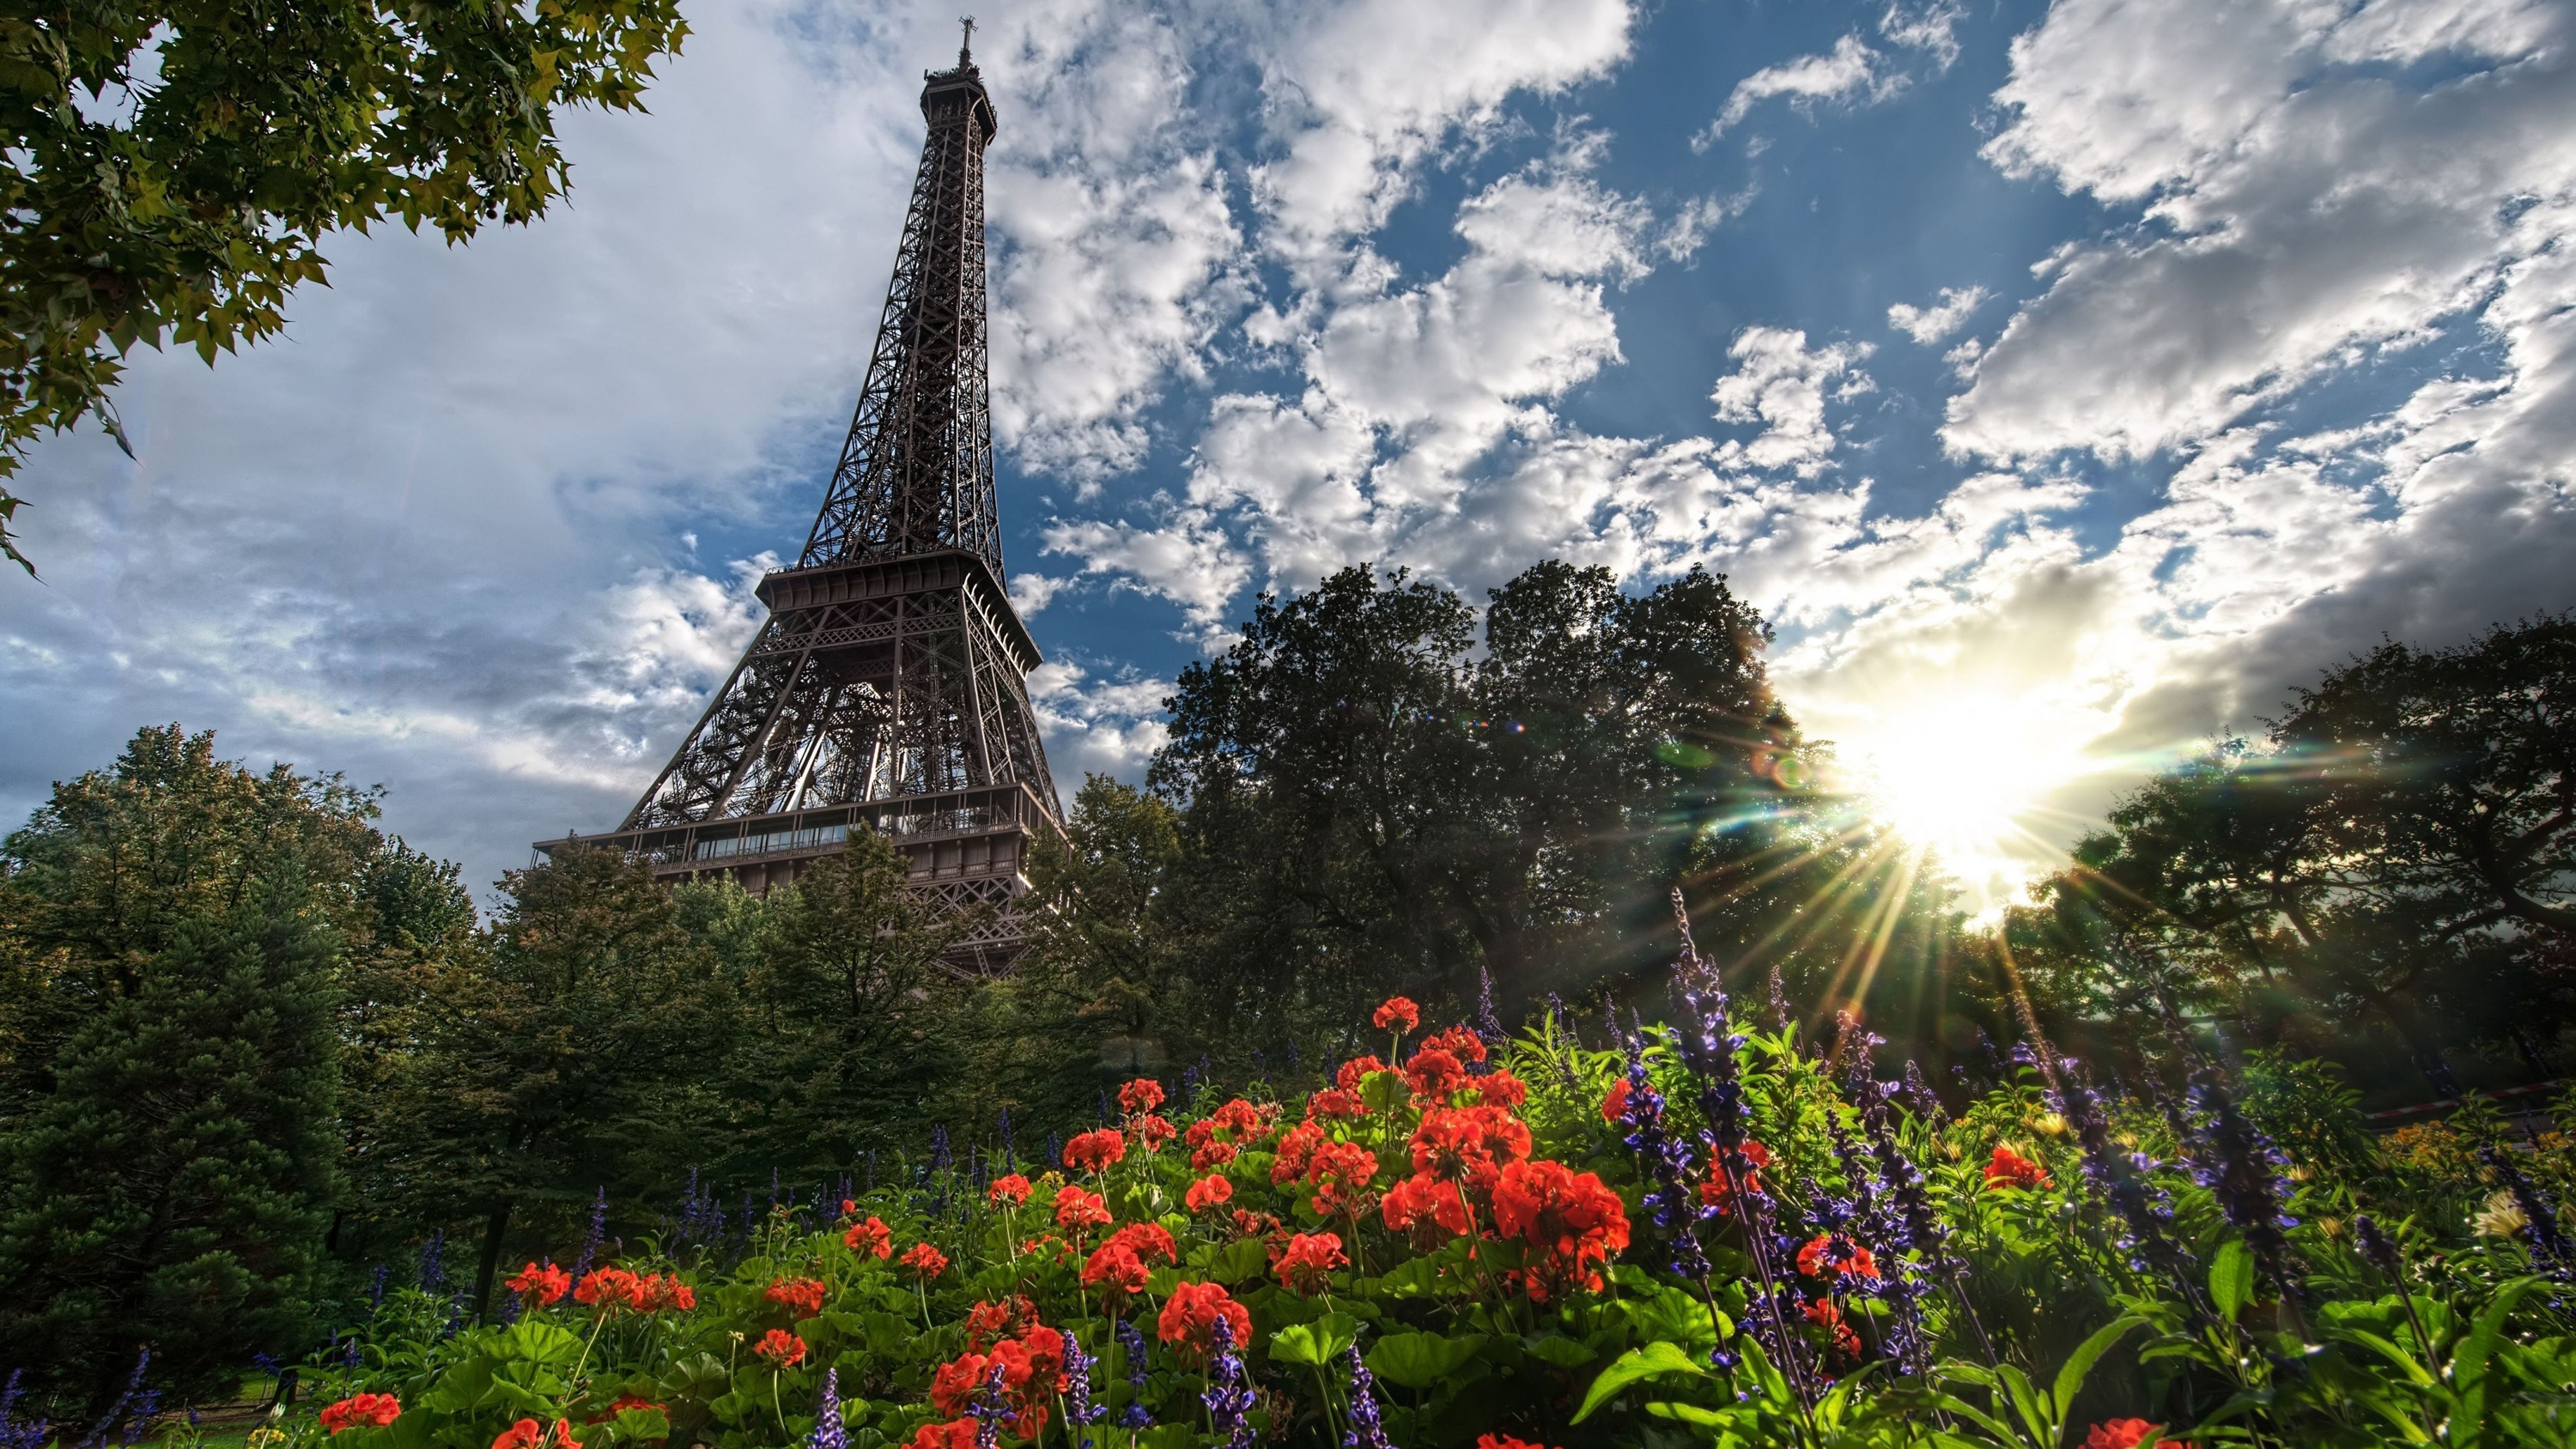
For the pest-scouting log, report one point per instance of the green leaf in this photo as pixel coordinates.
(1315, 1344)
(1652, 1361)
(2231, 1278)
(1240, 1262)
(1419, 1360)
(1562, 1352)
(2079, 1364)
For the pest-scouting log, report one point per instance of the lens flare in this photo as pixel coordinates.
(1966, 778)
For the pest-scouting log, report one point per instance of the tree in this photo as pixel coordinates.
(2401, 851)
(551, 1057)
(175, 167)
(172, 1189)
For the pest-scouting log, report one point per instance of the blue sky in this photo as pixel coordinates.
(2066, 381)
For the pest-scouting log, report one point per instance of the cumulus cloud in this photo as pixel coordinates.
(1783, 384)
(1928, 325)
(1850, 69)
(1103, 726)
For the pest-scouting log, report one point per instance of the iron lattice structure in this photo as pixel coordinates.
(888, 689)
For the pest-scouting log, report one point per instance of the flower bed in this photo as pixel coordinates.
(1703, 1235)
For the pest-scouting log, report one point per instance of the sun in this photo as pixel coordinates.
(1966, 777)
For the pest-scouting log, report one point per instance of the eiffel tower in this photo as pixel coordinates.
(888, 690)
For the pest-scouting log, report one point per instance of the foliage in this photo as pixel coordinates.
(2398, 856)
(1702, 1235)
(177, 930)
(175, 167)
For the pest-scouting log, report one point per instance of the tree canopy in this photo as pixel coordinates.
(175, 167)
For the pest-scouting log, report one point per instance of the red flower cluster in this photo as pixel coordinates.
(1499, 1088)
(618, 1288)
(925, 1260)
(2127, 1434)
(1215, 1139)
(1309, 1260)
(1425, 1209)
(781, 1348)
(528, 1434)
(1468, 1145)
(1355, 1071)
(1572, 1217)
(2011, 1169)
(1013, 1189)
(1095, 1151)
(621, 1404)
(1714, 1193)
(1153, 1131)
(987, 1322)
(1339, 1173)
(1211, 1191)
(1032, 1368)
(372, 1410)
(1398, 1014)
(1434, 1073)
(1334, 1102)
(1141, 1095)
(1460, 1042)
(802, 1297)
(1116, 1273)
(1504, 1441)
(1076, 1209)
(870, 1239)
(1835, 1255)
(1188, 1318)
(958, 1433)
(541, 1286)
(1844, 1343)
(1614, 1104)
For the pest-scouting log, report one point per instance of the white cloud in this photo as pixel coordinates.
(1783, 384)
(1932, 28)
(1928, 325)
(1097, 726)
(1851, 68)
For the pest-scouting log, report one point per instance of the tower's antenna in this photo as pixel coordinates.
(966, 47)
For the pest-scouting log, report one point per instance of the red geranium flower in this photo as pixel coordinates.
(2011, 1169)
(1244, 1120)
(1334, 1102)
(1211, 1154)
(926, 1260)
(2127, 1434)
(604, 1288)
(1153, 1131)
(1468, 1144)
(1013, 1189)
(1096, 1150)
(955, 1434)
(544, 1285)
(871, 1238)
(374, 1410)
(1117, 1273)
(987, 1322)
(1504, 1441)
(1076, 1209)
(1398, 1014)
(658, 1293)
(1141, 1095)
(1826, 1316)
(1294, 1149)
(1339, 1174)
(1615, 1105)
(1210, 1191)
(528, 1434)
(1354, 1070)
(1310, 1260)
(1425, 1209)
(849, 1207)
(1713, 1192)
(1499, 1088)
(1148, 1241)
(1460, 1042)
(1837, 1254)
(1255, 1225)
(1192, 1310)
(780, 1347)
(802, 1297)
(1435, 1073)
(1572, 1217)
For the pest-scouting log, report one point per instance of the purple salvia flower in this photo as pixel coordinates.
(1366, 1432)
(2241, 1168)
(1488, 1026)
(2121, 1179)
(988, 1411)
(596, 1234)
(829, 1432)
(1132, 1342)
(433, 1261)
(1228, 1398)
(1078, 1408)
(376, 1291)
